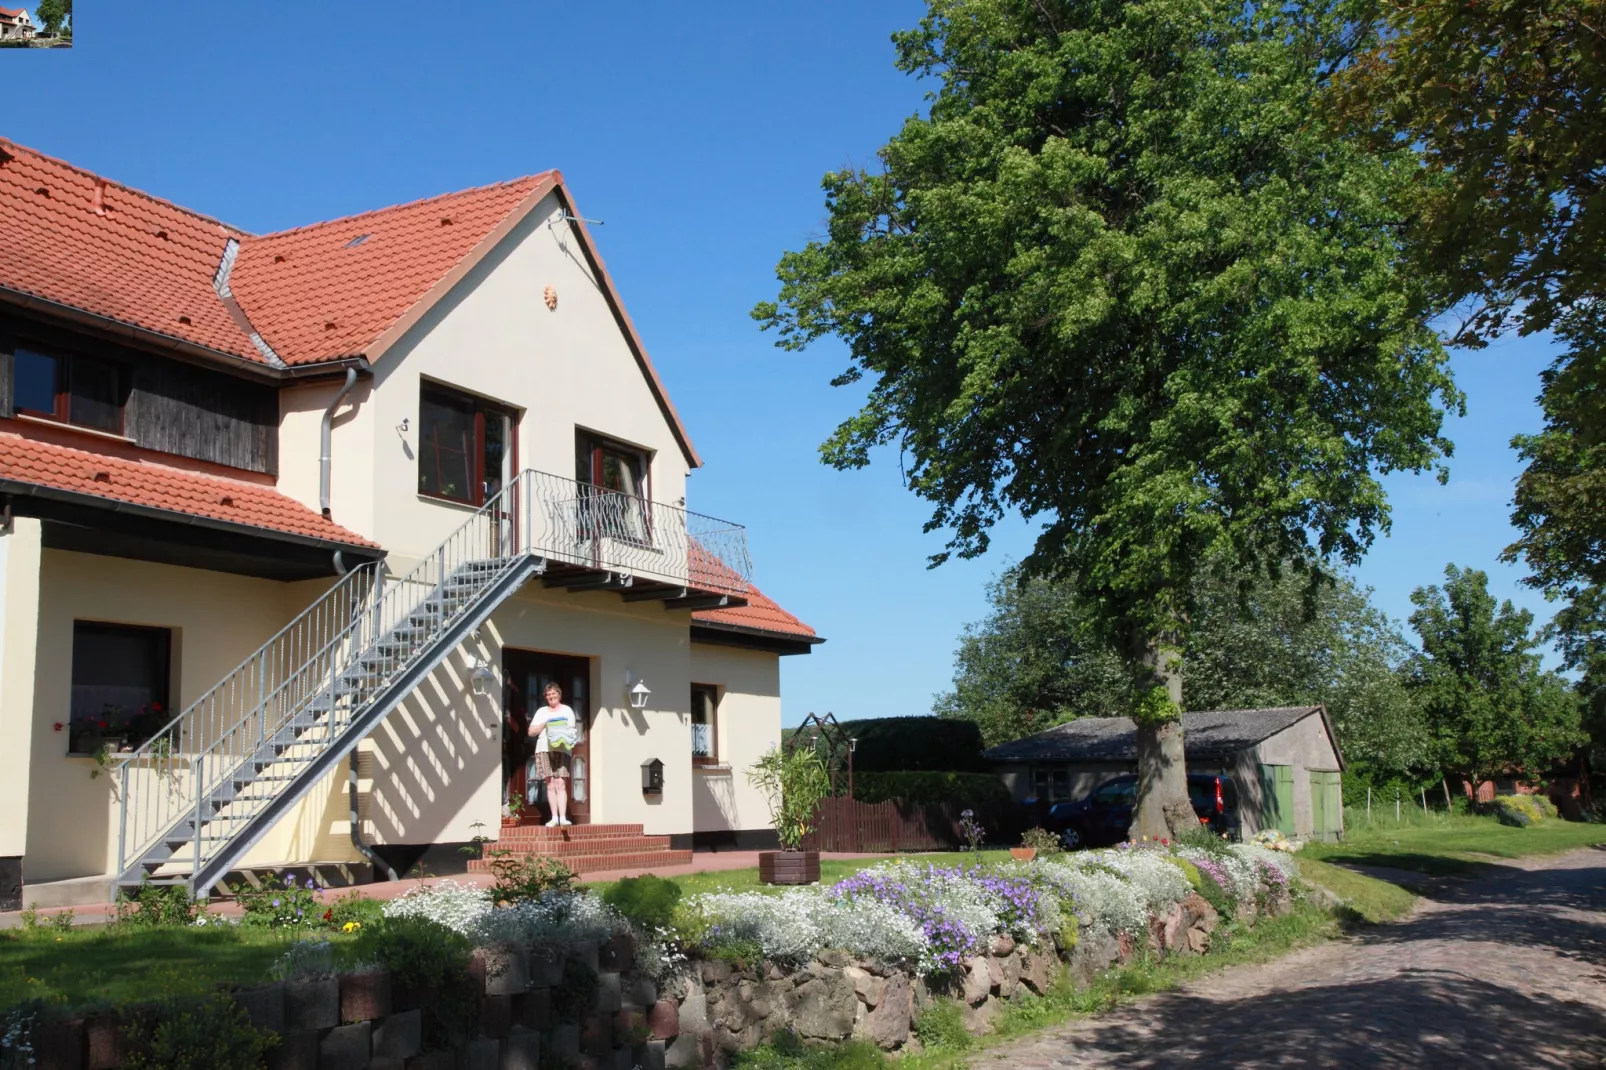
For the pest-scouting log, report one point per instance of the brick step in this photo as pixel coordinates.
(569, 832)
(594, 846)
(602, 863)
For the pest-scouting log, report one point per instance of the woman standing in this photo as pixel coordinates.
(554, 731)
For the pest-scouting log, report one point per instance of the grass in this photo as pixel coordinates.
(1232, 945)
(831, 871)
(1372, 900)
(1449, 845)
(102, 966)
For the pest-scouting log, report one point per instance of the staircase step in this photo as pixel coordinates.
(602, 863)
(537, 834)
(595, 845)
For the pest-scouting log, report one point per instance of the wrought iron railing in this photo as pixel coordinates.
(196, 784)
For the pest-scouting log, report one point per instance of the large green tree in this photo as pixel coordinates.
(1034, 662)
(1116, 279)
(1489, 704)
(51, 14)
(1507, 101)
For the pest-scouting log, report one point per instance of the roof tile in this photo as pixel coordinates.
(1114, 739)
(45, 464)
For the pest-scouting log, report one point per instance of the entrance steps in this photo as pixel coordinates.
(586, 849)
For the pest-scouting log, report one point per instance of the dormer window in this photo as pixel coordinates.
(69, 388)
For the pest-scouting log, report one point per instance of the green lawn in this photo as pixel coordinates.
(1372, 900)
(104, 967)
(1450, 845)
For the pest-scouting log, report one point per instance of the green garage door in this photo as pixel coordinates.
(1277, 798)
(1326, 806)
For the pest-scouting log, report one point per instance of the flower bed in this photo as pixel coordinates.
(648, 979)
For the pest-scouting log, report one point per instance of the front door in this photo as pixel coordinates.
(528, 672)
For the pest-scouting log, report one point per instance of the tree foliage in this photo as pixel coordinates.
(1118, 281)
(1489, 705)
(51, 14)
(1034, 663)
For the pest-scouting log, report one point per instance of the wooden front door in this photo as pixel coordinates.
(527, 673)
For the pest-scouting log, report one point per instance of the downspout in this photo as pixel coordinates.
(356, 829)
(324, 453)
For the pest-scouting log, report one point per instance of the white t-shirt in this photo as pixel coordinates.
(560, 712)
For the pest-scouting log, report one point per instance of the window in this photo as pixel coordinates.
(72, 389)
(1119, 793)
(1051, 785)
(704, 724)
(622, 513)
(465, 446)
(119, 685)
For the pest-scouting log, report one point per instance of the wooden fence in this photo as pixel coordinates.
(896, 825)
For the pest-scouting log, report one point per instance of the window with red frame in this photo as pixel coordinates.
(120, 685)
(465, 446)
(70, 388)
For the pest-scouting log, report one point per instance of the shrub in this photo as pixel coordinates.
(353, 911)
(280, 903)
(942, 1025)
(648, 901)
(1520, 811)
(895, 744)
(927, 788)
(522, 877)
(1044, 841)
(425, 955)
(157, 906)
(210, 1033)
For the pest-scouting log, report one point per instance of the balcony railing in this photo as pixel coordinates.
(592, 527)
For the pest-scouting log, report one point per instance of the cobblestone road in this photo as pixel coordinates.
(1509, 971)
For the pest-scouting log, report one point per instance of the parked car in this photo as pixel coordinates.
(1105, 815)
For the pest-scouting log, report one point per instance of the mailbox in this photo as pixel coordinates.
(652, 777)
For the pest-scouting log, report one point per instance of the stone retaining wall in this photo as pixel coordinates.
(701, 1019)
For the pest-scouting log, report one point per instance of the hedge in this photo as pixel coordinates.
(926, 787)
(900, 744)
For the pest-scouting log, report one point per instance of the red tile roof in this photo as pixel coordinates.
(315, 296)
(12, 12)
(761, 614)
(73, 238)
(155, 486)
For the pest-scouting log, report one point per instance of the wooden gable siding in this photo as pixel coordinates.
(172, 406)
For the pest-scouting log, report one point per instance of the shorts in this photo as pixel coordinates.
(551, 763)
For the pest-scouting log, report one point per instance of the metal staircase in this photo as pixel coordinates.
(201, 792)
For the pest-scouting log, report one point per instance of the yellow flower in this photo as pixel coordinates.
(351, 926)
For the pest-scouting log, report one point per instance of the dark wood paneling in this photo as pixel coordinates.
(173, 406)
(193, 412)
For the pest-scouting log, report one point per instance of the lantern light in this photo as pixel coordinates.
(639, 695)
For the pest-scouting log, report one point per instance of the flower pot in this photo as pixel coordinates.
(789, 867)
(1023, 854)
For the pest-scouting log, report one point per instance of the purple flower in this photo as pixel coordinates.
(275, 902)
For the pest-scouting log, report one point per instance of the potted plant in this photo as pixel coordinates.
(1034, 842)
(793, 784)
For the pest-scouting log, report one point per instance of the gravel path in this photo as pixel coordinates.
(1509, 971)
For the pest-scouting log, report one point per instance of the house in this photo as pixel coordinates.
(1284, 761)
(297, 526)
(15, 24)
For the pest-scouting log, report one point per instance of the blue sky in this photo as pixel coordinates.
(699, 134)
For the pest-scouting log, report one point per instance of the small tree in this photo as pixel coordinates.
(51, 14)
(793, 783)
(1489, 705)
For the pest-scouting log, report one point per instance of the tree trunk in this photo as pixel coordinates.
(1163, 810)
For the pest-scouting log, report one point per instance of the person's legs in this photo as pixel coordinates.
(558, 791)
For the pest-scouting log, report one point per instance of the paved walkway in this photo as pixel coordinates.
(1504, 972)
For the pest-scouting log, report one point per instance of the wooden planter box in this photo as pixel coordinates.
(789, 867)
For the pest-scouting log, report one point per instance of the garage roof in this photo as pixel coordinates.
(1115, 739)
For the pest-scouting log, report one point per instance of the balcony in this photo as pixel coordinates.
(592, 538)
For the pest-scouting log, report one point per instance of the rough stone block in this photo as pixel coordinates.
(822, 1008)
(664, 1020)
(1001, 945)
(618, 955)
(566, 1042)
(61, 1045)
(311, 1005)
(694, 1013)
(1037, 971)
(533, 1009)
(434, 1060)
(629, 1026)
(641, 991)
(264, 1006)
(399, 1036)
(410, 999)
(888, 1025)
(382, 1063)
(496, 1016)
(716, 971)
(651, 1055)
(1010, 964)
(106, 1048)
(545, 972)
(482, 1054)
(596, 1035)
(608, 993)
(507, 972)
(364, 996)
(978, 982)
(521, 1050)
(346, 1047)
(685, 1053)
(589, 955)
(295, 1051)
(979, 1019)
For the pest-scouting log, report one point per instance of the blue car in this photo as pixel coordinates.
(1105, 815)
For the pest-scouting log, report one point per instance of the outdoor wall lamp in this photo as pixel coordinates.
(639, 695)
(480, 677)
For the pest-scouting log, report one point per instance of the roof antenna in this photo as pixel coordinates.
(570, 217)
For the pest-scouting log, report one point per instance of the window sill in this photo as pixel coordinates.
(711, 768)
(75, 429)
(432, 499)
